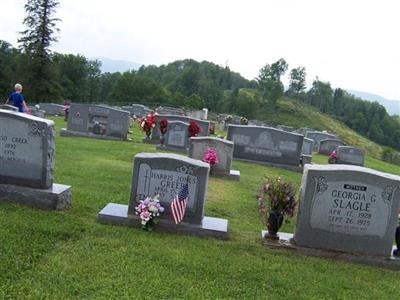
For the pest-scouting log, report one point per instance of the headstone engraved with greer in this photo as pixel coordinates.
(204, 125)
(165, 175)
(347, 208)
(350, 156)
(27, 162)
(224, 150)
(328, 145)
(97, 121)
(265, 144)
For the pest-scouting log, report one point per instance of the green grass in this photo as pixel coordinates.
(69, 255)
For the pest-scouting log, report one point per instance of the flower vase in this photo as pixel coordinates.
(149, 225)
(274, 222)
(162, 139)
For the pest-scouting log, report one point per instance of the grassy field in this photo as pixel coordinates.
(69, 255)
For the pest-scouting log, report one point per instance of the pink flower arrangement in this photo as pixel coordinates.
(148, 210)
(210, 156)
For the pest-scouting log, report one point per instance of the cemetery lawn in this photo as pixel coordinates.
(69, 255)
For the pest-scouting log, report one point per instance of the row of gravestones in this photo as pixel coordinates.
(345, 208)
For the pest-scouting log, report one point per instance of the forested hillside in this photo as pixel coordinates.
(192, 84)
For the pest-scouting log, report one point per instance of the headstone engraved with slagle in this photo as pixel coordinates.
(224, 150)
(347, 208)
(97, 121)
(27, 162)
(268, 145)
(165, 175)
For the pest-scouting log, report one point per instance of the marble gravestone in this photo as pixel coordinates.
(164, 175)
(167, 110)
(318, 136)
(350, 156)
(327, 146)
(224, 150)
(307, 148)
(267, 145)
(102, 122)
(155, 133)
(176, 138)
(52, 109)
(347, 208)
(27, 162)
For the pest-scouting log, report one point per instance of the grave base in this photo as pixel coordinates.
(276, 165)
(68, 133)
(58, 197)
(169, 148)
(150, 141)
(117, 214)
(233, 175)
(285, 242)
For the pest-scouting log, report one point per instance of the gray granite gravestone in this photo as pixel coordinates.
(327, 146)
(350, 156)
(177, 137)
(318, 136)
(97, 121)
(167, 110)
(224, 150)
(27, 162)
(35, 111)
(52, 109)
(165, 175)
(155, 133)
(137, 110)
(9, 107)
(307, 148)
(267, 145)
(347, 208)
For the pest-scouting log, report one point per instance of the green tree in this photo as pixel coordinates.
(297, 83)
(194, 101)
(269, 81)
(35, 42)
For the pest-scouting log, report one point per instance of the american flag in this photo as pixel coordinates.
(178, 204)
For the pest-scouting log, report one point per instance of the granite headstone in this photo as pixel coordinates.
(165, 175)
(350, 156)
(347, 208)
(27, 162)
(224, 150)
(266, 144)
(97, 121)
(328, 145)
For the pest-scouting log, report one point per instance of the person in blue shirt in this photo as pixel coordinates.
(17, 99)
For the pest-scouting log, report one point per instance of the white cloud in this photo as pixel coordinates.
(352, 44)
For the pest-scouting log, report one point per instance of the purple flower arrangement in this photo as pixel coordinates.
(279, 194)
(149, 210)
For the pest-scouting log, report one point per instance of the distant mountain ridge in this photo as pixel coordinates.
(116, 65)
(392, 106)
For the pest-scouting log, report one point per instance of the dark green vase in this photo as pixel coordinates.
(274, 222)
